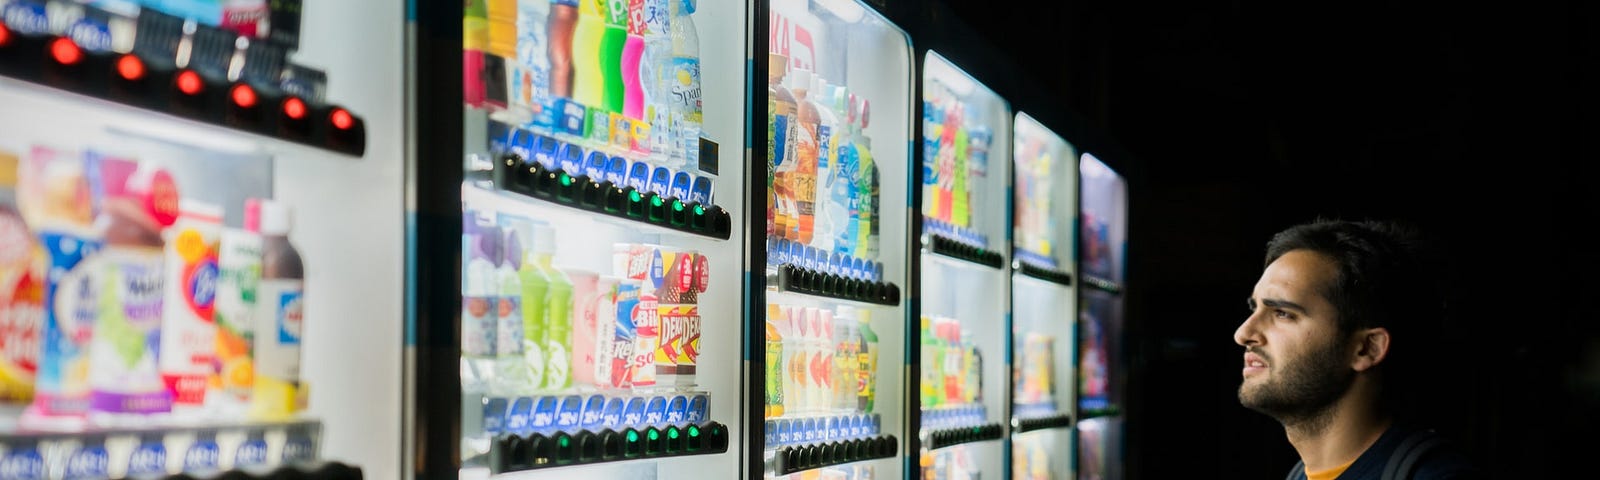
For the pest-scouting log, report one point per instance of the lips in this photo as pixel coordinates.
(1254, 363)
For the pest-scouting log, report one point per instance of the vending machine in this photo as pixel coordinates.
(585, 320)
(962, 277)
(200, 209)
(829, 318)
(1043, 302)
(1103, 225)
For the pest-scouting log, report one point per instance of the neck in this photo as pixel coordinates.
(1339, 434)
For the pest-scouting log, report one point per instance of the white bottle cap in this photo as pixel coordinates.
(544, 239)
(276, 217)
(195, 211)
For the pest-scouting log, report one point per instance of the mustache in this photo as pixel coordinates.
(1258, 351)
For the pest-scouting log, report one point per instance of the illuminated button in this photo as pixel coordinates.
(655, 201)
(634, 197)
(65, 52)
(294, 108)
(190, 83)
(129, 67)
(5, 35)
(341, 119)
(243, 96)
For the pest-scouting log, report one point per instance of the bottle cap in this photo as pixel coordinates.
(275, 217)
(544, 239)
(777, 65)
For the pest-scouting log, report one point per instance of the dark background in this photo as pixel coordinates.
(1233, 120)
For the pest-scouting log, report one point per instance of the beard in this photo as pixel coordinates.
(1301, 390)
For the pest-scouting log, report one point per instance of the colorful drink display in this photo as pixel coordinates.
(955, 163)
(823, 209)
(129, 304)
(614, 76)
(1045, 197)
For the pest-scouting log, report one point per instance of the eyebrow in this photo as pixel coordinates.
(1284, 304)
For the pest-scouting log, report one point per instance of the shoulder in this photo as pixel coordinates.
(1440, 459)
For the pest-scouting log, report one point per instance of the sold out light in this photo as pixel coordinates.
(243, 96)
(341, 119)
(65, 52)
(5, 35)
(130, 68)
(190, 83)
(294, 108)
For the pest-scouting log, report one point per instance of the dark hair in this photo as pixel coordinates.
(1387, 276)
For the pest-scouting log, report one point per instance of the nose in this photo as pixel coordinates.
(1247, 334)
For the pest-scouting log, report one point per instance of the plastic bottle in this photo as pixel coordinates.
(806, 150)
(782, 128)
(828, 214)
(612, 41)
(502, 27)
(534, 285)
(239, 261)
(774, 348)
(531, 86)
(475, 40)
(931, 361)
(686, 108)
(632, 54)
(867, 374)
(280, 317)
(124, 379)
(478, 245)
(188, 332)
(588, 85)
(558, 312)
(655, 68)
(512, 370)
(562, 23)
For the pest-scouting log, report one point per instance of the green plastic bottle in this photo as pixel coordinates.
(535, 285)
(557, 310)
(867, 374)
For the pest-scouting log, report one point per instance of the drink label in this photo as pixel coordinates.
(638, 176)
(676, 408)
(202, 456)
(149, 458)
(570, 413)
(521, 143)
(571, 158)
(680, 186)
(698, 409)
(519, 417)
(659, 180)
(593, 412)
(251, 452)
(701, 191)
(655, 412)
(544, 413)
(612, 415)
(616, 170)
(595, 167)
(633, 415)
(571, 121)
(544, 151)
(89, 461)
(494, 416)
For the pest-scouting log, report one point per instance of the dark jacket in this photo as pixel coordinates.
(1439, 458)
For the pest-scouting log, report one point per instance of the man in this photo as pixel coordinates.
(1337, 318)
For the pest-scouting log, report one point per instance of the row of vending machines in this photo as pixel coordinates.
(898, 273)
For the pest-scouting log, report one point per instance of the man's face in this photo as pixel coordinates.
(1296, 362)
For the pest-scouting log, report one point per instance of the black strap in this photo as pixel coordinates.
(1297, 472)
(1404, 460)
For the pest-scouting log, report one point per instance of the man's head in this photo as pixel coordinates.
(1334, 308)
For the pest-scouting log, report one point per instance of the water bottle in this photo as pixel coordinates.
(685, 83)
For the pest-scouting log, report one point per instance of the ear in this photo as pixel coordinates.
(1372, 346)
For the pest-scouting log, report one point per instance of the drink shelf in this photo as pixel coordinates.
(571, 413)
(796, 279)
(797, 458)
(310, 471)
(156, 85)
(1102, 284)
(534, 182)
(1094, 408)
(1041, 273)
(933, 439)
(799, 430)
(163, 448)
(1029, 424)
(948, 247)
(512, 452)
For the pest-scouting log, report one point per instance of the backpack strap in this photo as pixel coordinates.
(1404, 460)
(1298, 472)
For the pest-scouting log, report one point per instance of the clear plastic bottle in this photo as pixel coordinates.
(280, 302)
(686, 108)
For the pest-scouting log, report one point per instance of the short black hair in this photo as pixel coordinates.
(1388, 275)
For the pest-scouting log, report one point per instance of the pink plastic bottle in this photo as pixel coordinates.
(632, 51)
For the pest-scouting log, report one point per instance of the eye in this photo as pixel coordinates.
(1283, 314)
